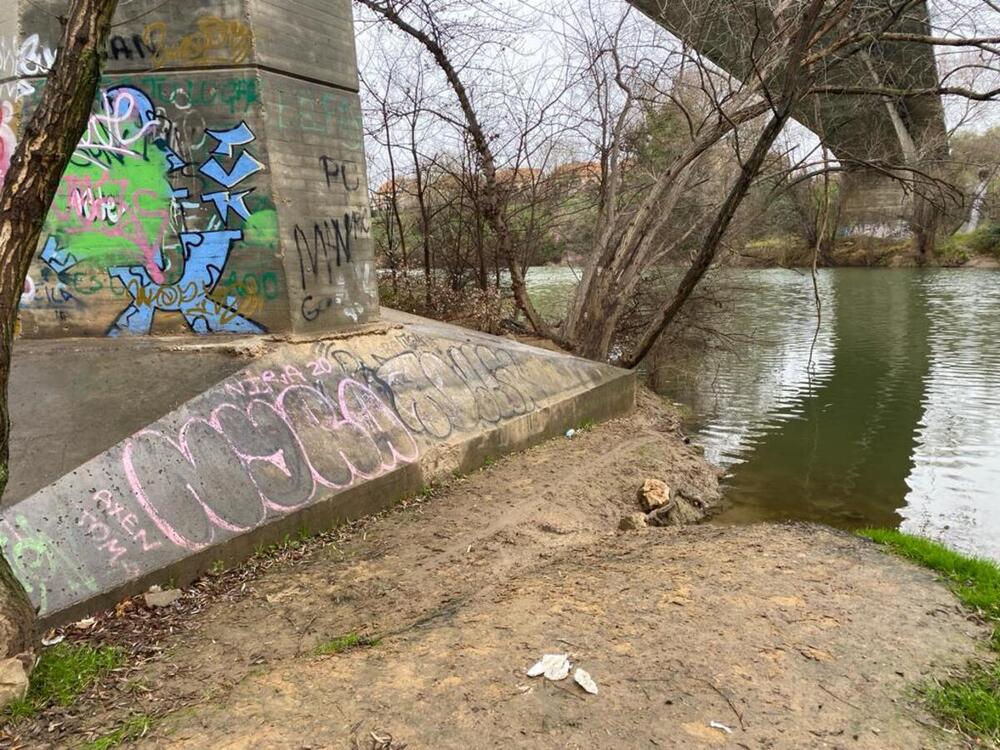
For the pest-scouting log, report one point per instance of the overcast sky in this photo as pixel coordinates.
(533, 54)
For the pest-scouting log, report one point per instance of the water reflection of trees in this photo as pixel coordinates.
(835, 444)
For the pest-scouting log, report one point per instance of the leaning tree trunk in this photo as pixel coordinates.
(926, 215)
(30, 185)
(795, 75)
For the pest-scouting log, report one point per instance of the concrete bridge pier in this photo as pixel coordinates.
(220, 186)
(224, 377)
(874, 205)
(909, 132)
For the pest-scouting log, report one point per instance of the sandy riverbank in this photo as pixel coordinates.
(788, 636)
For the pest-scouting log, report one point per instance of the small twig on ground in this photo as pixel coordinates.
(728, 700)
(932, 725)
(385, 743)
(302, 634)
(827, 690)
(444, 613)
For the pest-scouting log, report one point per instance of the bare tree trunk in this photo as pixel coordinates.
(425, 221)
(30, 186)
(394, 187)
(926, 215)
(713, 239)
(594, 320)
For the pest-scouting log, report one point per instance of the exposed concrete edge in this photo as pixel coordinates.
(213, 342)
(613, 398)
(341, 335)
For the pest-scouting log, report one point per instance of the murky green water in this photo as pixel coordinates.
(895, 420)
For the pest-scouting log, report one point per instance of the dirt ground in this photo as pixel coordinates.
(787, 636)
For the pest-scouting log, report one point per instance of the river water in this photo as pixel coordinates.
(888, 415)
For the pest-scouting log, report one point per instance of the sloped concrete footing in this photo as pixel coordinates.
(307, 436)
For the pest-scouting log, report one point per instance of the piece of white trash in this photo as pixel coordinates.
(53, 639)
(584, 680)
(555, 667)
(723, 727)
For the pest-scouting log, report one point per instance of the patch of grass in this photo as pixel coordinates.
(971, 701)
(961, 247)
(288, 542)
(64, 672)
(954, 249)
(428, 490)
(347, 642)
(132, 729)
(766, 243)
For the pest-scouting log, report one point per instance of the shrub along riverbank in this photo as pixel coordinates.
(969, 701)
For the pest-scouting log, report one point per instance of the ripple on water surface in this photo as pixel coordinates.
(954, 488)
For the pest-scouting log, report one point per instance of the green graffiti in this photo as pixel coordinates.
(261, 229)
(38, 564)
(114, 201)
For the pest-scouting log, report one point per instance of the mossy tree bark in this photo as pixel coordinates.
(41, 157)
